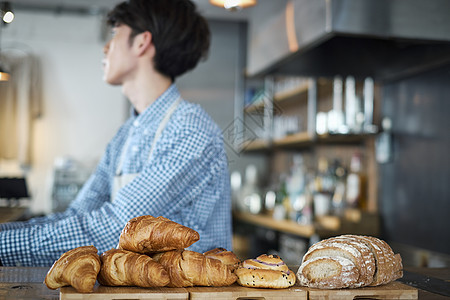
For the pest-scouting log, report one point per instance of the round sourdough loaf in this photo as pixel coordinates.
(345, 249)
(327, 272)
(389, 266)
(368, 265)
(373, 259)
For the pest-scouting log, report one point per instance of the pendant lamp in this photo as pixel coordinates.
(7, 16)
(233, 4)
(4, 75)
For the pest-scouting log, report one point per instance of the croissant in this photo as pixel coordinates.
(188, 268)
(147, 234)
(125, 268)
(77, 267)
(225, 256)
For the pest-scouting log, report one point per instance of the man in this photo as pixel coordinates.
(167, 160)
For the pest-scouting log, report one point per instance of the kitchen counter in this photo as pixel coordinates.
(27, 283)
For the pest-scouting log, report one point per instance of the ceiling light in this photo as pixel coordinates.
(6, 13)
(8, 17)
(233, 4)
(4, 76)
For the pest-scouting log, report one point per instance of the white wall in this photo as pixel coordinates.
(80, 112)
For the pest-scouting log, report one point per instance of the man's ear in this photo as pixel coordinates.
(143, 42)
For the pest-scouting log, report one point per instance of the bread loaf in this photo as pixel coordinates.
(77, 268)
(266, 271)
(336, 262)
(147, 235)
(326, 272)
(188, 268)
(388, 265)
(350, 248)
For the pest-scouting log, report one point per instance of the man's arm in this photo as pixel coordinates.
(94, 193)
(168, 186)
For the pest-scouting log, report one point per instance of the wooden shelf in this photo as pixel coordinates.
(294, 93)
(280, 225)
(280, 97)
(303, 139)
(343, 138)
(256, 145)
(300, 138)
(252, 108)
(353, 222)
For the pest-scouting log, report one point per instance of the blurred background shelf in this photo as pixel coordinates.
(256, 145)
(297, 139)
(294, 94)
(279, 225)
(304, 139)
(353, 221)
(260, 233)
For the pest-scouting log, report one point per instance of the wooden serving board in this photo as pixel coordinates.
(236, 291)
(130, 293)
(393, 290)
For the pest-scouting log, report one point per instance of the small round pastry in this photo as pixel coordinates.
(226, 257)
(266, 271)
(264, 261)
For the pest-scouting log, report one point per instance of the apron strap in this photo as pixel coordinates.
(158, 133)
(163, 124)
(123, 153)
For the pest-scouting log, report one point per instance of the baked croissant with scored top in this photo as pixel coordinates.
(147, 234)
(125, 268)
(188, 268)
(78, 268)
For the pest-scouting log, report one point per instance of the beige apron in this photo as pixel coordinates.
(121, 180)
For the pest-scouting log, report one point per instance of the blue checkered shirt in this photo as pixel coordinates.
(185, 179)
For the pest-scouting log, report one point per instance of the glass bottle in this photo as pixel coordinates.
(338, 200)
(296, 188)
(323, 189)
(356, 184)
(251, 195)
(279, 212)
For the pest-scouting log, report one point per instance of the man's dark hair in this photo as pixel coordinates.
(180, 34)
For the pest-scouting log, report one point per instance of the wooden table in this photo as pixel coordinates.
(11, 214)
(27, 283)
